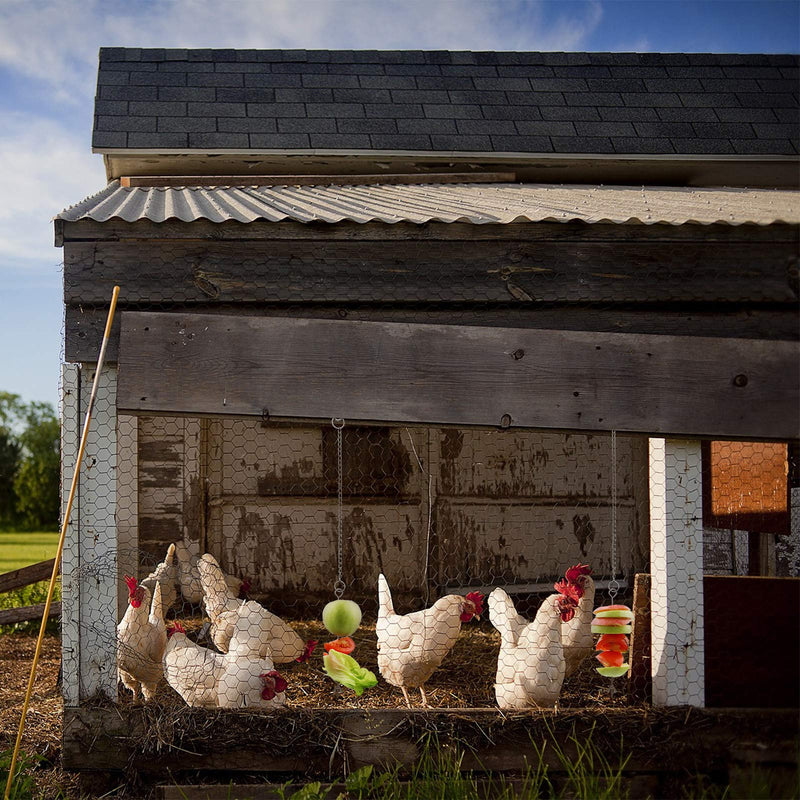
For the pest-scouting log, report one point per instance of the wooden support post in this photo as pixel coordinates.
(640, 687)
(127, 505)
(676, 559)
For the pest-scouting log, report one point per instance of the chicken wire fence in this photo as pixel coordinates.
(240, 529)
(476, 557)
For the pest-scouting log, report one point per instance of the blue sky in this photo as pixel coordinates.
(48, 61)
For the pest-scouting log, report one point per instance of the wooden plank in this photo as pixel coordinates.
(317, 180)
(328, 741)
(116, 230)
(318, 369)
(85, 325)
(24, 576)
(27, 613)
(640, 684)
(422, 271)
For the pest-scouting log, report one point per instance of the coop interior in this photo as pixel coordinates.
(292, 512)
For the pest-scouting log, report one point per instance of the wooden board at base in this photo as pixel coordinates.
(458, 375)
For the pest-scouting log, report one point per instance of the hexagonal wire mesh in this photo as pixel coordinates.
(252, 505)
(451, 543)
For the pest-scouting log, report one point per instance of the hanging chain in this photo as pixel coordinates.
(613, 584)
(340, 585)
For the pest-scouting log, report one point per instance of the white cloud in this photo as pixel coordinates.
(46, 164)
(56, 41)
(44, 167)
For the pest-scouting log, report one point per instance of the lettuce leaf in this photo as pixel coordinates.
(345, 669)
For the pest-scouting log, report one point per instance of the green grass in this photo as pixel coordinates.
(20, 549)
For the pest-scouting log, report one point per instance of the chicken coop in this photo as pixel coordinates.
(461, 320)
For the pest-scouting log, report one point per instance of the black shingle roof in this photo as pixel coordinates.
(626, 103)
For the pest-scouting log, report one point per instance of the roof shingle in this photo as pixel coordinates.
(669, 103)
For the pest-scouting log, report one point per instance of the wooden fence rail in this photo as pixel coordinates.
(27, 613)
(24, 576)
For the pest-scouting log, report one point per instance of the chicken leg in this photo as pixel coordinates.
(425, 703)
(405, 694)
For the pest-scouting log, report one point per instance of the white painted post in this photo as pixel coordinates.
(70, 559)
(676, 566)
(90, 560)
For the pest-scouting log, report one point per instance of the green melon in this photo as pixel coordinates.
(341, 617)
(613, 672)
(611, 628)
(617, 612)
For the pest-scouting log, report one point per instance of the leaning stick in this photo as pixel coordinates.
(64, 523)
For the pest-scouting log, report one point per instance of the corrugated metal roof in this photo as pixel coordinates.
(420, 203)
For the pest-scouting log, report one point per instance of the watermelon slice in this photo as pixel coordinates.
(610, 659)
(604, 628)
(613, 641)
(610, 621)
(616, 613)
(613, 672)
(617, 607)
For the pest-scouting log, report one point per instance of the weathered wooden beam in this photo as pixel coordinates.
(317, 180)
(24, 576)
(321, 742)
(85, 325)
(430, 271)
(10, 616)
(119, 230)
(379, 372)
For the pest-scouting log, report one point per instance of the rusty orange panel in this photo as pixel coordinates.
(745, 486)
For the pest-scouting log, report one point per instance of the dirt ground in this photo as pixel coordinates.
(464, 680)
(42, 736)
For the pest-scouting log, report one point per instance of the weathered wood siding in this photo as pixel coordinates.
(506, 506)
(171, 502)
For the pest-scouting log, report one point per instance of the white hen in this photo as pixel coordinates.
(224, 610)
(141, 639)
(188, 553)
(239, 679)
(412, 646)
(166, 575)
(192, 671)
(531, 664)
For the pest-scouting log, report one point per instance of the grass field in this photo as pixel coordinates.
(19, 549)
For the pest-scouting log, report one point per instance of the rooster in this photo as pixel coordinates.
(412, 646)
(531, 663)
(576, 635)
(241, 678)
(225, 609)
(166, 575)
(189, 576)
(141, 639)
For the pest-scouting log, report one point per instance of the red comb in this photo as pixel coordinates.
(133, 584)
(307, 651)
(280, 681)
(175, 627)
(570, 590)
(477, 599)
(573, 573)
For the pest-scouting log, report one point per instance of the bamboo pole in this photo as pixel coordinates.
(57, 559)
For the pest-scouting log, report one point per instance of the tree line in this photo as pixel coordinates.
(30, 457)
